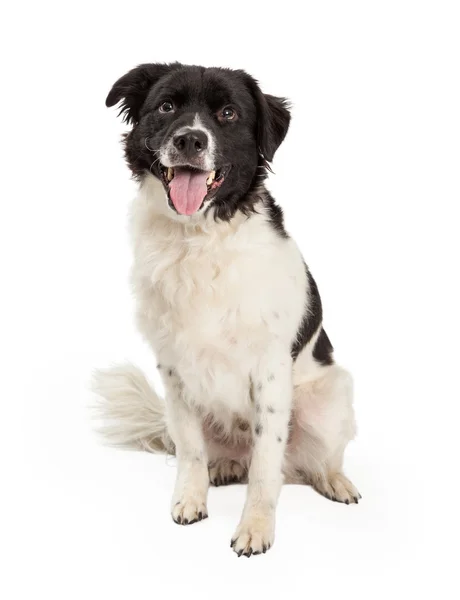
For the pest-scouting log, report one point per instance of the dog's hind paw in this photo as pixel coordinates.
(338, 488)
(225, 472)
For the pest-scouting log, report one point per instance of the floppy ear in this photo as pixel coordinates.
(133, 88)
(273, 120)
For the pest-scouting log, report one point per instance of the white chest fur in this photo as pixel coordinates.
(211, 296)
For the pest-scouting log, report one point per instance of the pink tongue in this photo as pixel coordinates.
(187, 190)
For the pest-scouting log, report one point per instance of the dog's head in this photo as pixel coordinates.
(207, 134)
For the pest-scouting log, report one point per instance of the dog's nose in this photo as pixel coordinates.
(191, 143)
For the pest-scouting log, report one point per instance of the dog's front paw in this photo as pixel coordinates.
(254, 535)
(188, 511)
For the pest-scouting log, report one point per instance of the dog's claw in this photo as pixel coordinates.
(188, 513)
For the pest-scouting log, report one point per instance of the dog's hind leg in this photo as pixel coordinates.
(229, 456)
(322, 425)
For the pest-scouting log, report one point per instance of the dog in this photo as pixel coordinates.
(226, 302)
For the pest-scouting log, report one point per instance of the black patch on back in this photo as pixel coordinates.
(310, 324)
(322, 352)
(276, 217)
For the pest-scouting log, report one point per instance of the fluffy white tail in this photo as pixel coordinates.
(132, 414)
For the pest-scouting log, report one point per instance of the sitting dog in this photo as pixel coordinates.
(226, 302)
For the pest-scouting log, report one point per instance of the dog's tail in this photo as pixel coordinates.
(131, 412)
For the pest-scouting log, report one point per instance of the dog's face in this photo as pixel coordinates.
(206, 134)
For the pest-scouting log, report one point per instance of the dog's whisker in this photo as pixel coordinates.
(148, 147)
(156, 160)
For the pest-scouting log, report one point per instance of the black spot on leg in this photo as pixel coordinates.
(270, 409)
(271, 377)
(158, 366)
(251, 391)
(170, 372)
(279, 439)
(258, 430)
(243, 425)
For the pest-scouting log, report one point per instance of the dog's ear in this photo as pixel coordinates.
(273, 118)
(132, 89)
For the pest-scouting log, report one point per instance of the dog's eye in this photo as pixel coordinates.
(166, 107)
(228, 114)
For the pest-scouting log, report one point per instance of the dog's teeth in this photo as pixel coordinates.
(170, 173)
(210, 179)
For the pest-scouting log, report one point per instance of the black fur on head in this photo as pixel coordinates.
(131, 90)
(243, 126)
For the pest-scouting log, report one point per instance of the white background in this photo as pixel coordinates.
(369, 180)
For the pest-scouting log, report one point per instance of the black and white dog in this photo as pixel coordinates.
(226, 302)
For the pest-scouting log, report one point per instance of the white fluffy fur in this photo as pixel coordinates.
(137, 413)
(220, 304)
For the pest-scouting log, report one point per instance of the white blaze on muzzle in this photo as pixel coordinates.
(206, 158)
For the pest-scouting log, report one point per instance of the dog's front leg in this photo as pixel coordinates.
(271, 395)
(192, 481)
